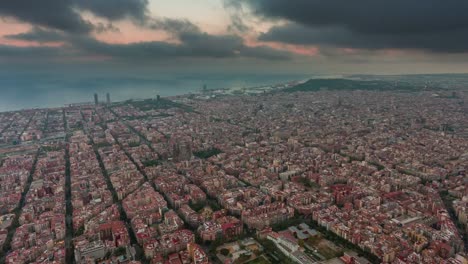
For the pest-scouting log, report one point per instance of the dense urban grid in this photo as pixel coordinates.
(350, 176)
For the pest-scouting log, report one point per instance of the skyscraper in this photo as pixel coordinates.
(96, 100)
(108, 98)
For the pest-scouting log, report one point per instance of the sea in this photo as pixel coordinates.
(46, 91)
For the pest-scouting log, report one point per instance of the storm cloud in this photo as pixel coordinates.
(39, 35)
(454, 41)
(435, 25)
(63, 14)
(192, 43)
(296, 35)
(56, 14)
(171, 25)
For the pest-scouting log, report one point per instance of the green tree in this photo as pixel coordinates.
(224, 251)
(120, 251)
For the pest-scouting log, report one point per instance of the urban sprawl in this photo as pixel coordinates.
(329, 177)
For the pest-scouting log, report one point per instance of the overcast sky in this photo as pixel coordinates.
(233, 36)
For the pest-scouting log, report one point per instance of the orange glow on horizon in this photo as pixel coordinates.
(296, 49)
(25, 44)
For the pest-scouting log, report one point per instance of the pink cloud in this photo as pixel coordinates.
(23, 43)
(297, 49)
(130, 33)
(8, 27)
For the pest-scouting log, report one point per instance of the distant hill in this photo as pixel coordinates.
(313, 85)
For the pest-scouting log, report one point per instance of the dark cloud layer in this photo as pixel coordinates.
(371, 16)
(435, 25)
(59, 21)
(454, 41)
(174, 26)
(56, 14)
(193, 44)
(63, 14)
(39, 35)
